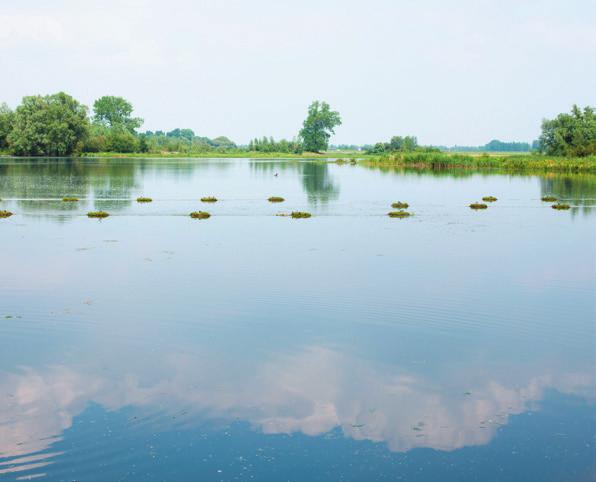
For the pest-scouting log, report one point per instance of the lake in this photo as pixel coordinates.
(451, 345)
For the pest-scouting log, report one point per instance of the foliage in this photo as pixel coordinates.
(115, 112)
(52, 125)
(396, 144)
(318, 126)
(6, 123)
(266, 144)
(570, 134)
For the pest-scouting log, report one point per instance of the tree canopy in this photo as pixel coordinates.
(571, 134)
(318, 126)
(51, 125)
(115, 113)
(6, 122)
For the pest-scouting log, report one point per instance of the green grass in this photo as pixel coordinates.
(97, 214)
(400, 205)
(200, 215)
(513, 162)
(300, 215)
(478, 206)
(399, 214)
(5, 214)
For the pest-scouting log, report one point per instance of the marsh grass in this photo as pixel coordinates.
(561, 206)
(200, 215)
(400, 205)
(300, 214)
(5, 214)
(489, 199)
(478, 206)
(276, 199)
(209, 199)
(144, 199)
(399, 214)
(549, 199)
(97, 214)
(70, 199)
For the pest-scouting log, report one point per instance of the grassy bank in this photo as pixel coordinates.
(227, 154)
(513, 162)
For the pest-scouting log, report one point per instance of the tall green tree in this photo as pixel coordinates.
(571, 134)
(115, 112)
(6, 123)
(318, 126)
(51, 125)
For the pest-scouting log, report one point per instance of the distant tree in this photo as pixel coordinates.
(570, 134)
(115, 112)
(6, 123)
(500, 146)
(318, 126)
(52, 125)
(187, 134)
(224, 142)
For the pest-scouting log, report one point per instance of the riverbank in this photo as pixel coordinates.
(512, 162)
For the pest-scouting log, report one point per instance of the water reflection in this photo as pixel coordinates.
(578, 189)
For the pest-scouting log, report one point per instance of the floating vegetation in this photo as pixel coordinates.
(300, 214)
(70, 199)
(144, 199)
(399, 214)
(276, 199)
(340, 161)
(200, 215)
(549, 199)
(209, 199)
(400, 205)
(489, 199)
(561, 206)
(5, 214)
(478, 206)
(97, 214)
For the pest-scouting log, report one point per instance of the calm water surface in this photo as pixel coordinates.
(453, 345)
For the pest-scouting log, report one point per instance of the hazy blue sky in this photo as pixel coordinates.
(447, 71)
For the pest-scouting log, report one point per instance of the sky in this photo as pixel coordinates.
(449, 72)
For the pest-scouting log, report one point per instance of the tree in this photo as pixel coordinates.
(318, 126)
(6, 123)
(115, 112)
(52, 125)
(570, 134)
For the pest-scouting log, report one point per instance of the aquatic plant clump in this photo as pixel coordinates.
(5, 214)
(97, 214)
(300, 215)
(400, 205)
(399, 214)
(549, 199)
(478, 206)
(209, 199)
(200, 215)
(70, 199)
(489, 199)
(276, 199)
(561, 206)
(144, 199)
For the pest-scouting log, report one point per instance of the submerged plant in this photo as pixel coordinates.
(5, 214)
(399, 214)
(300, 214)
(400, 205)
(549, 199)
(276, 199)
(70, 199)
(209, 199)
(200, 215)
(97, 214)
(478, 206)
(144, 199)
(561, 206)
(489, 199)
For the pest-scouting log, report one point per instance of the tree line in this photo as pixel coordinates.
(59, 125)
